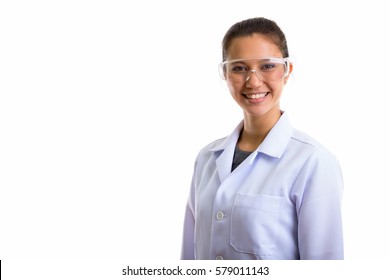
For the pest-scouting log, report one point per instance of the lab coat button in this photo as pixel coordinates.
(220, 215)
(219, 258)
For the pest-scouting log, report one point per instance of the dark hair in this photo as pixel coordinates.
(258, 25)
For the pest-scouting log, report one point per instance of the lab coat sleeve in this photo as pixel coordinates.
(318, 192)
(188, 250)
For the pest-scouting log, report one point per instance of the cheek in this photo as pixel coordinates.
(277, 88)
(234, 88)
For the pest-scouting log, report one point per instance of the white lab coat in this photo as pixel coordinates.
(282, 202)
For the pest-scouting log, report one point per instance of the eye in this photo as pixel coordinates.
(267, 67)
(239, 69)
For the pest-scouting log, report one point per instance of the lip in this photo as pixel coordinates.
(255, 97)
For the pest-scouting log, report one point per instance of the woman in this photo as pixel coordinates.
(267, 191)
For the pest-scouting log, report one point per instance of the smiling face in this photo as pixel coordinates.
(256, 95)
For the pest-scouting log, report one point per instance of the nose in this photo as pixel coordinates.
(253, 83)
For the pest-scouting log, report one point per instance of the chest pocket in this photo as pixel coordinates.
(255, 224)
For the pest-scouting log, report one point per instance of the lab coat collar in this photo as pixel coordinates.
(273, 145)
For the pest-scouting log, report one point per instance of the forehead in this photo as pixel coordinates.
(255, 45)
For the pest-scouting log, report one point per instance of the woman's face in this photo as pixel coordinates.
(256, 96)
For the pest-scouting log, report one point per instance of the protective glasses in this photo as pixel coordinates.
(267, 69)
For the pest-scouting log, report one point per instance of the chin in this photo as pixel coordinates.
(261, 112)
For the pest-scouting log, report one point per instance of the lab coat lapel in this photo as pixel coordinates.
(224, 161)
(226, 151)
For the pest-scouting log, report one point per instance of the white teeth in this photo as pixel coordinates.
(257, 95)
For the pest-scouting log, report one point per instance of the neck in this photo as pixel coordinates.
(256, 129)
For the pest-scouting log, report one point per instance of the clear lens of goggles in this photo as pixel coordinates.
(266, 69)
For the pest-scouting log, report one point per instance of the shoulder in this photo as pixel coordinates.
(212, 147)
(305, 140)
(221, 144)
(310, 150)
(314, 155)
(300, 138)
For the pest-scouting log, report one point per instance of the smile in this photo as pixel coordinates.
(257, 95)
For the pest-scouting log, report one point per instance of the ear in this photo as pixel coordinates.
(289, 72)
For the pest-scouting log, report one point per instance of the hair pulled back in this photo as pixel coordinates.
(259, 25)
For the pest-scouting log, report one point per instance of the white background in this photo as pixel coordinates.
(105, 104)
